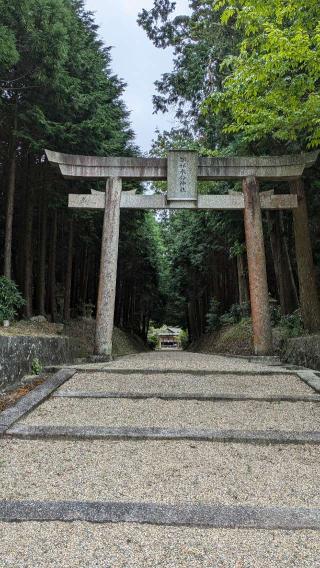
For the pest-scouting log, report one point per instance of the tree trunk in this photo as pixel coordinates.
(294, 291)
(28, 248)
(243, 284)
(282, 265)
(84, 276)
(10, 198)
(52, 267)
(259, 298)
(42, 255)
(68, 283)
(309, 300)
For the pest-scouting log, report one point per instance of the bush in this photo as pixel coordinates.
(227, 319)
(36, 366)
(275, 313)
(153, 342)
(184, 339)
(236, 313)
(213, 316)
(292, 324)
(10, 299)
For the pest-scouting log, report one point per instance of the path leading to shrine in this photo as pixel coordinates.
(163, 459)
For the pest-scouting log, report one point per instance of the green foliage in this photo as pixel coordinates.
(245, 81)
(237, 249)
(153, 341)
(55, 69)
(143, 264)
(199, 42)
(8, 54)
(275, 313)
(56, 77)
(184, 339)
(292, 324)
(271, 84)
(10, 299)
(234, 315)
(36, 366)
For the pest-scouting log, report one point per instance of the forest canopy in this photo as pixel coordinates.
(57, 91)
(272, 82)
(245, 81)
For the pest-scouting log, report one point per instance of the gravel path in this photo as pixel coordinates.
(300, 416)
(81, 545)
(182, 360)
(176, 383)
(166, 472)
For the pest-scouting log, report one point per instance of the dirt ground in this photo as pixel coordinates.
(10, 398)
(26, 327)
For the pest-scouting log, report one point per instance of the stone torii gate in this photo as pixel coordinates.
(182, 170)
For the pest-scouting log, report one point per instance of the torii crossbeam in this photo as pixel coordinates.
(182, 170)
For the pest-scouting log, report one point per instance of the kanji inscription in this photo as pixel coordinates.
(182, 176)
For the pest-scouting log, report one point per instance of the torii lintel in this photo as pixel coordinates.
(208, 169)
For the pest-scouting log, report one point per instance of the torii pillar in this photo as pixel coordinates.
(108, 269)
(258, 281)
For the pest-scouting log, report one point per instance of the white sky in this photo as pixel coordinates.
(136, 61)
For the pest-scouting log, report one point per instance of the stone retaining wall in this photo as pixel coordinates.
(18, 352)
(303, 351)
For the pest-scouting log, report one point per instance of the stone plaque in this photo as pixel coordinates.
(182, 175)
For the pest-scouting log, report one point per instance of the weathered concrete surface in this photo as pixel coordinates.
(216, 202)
(303, 351)
(213, 516)
(186, 396)
(258, 283)
(108, 269)
(266, 167)
(26, 432)
(311, 378)
(18, 352)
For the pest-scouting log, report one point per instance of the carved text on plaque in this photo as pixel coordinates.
(182, 175)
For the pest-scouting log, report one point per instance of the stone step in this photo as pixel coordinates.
(180, 362)
(148, 471)
(90, 545)
(152, 413)
(186, 361)
(165, 472)
(173, 383)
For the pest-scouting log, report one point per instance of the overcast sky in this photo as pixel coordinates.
(136, 61)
